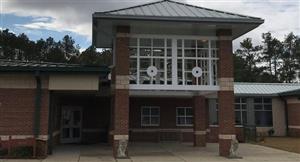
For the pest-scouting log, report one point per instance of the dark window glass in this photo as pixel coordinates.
(263, 118)
(238, 118)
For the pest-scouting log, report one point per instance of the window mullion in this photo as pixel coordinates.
(174, 61)
(138, 61)
(210, 64)
(151, 59)
(165, 65)
(183, 60)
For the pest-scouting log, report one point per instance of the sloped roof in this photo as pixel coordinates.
(29, 66)
(291, 93)
(267, 89)
(171, 10)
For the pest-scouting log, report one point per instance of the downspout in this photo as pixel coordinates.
(50, 125)
(285, 114)
(37, 106)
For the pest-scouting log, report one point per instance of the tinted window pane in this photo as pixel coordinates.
(180, 111)
(145, 42)
(244, 106)
(158, 43)
(263, 118)
(146, 111)
(155, 120)
(238, 118)
(258, 107)
(244, 115)
(154, 111)
(189, 120)
(145, 51)
(189, 111)
(268, 107)
(244, 100)
(189, 43)
(257, 100)
(181, 120)
(202, 43)
(267, 100)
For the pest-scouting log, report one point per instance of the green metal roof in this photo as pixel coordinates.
(26, 66)
(264, 89)
(291, 93)
(171, 10)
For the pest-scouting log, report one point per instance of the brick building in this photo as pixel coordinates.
(171, 80)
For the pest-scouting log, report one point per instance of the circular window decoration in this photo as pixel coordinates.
(197, 72)
(152, 71)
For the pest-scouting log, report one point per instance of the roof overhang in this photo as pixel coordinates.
(104, 26)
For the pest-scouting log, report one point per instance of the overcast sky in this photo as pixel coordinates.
(55, 18)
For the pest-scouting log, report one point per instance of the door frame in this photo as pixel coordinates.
(71, 140)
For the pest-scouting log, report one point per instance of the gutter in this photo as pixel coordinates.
(38, 104)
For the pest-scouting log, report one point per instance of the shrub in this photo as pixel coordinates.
(22, 152)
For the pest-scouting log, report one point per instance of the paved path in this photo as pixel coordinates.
(166, 152)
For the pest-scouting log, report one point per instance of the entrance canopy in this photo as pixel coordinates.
(169, 17)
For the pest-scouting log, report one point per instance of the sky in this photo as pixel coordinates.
(56, 18)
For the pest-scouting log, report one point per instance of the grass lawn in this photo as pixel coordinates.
(282, 143)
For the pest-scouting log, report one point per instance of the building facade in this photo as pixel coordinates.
(171, 80)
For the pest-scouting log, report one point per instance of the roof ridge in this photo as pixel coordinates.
(209, 9)
(180, 3)
(141, 5)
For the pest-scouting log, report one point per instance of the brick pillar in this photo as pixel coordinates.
(226, 94)
(120, 98)
(199, 121)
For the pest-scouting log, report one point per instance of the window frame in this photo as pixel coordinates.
(240, 109)
(212, 65)
(150, 116)
(185, 116)
(263, 109)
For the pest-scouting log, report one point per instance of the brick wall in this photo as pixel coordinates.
(17, 111)
(167, 130)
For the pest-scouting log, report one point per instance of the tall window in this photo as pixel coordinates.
(150, 116)
(263, 111)
(195, 54)
(184, 116)
(172, 61)
(150, 61)
(240, 111)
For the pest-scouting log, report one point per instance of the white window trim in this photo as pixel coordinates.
(185, 116)
(174, 86)
(150, 125)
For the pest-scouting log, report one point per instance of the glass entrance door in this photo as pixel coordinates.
(71, 124)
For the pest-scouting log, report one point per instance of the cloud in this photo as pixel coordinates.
(62, 15)
(281, 17)
(75, 16)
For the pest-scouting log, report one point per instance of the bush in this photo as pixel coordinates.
(271, 132)
(22, 152)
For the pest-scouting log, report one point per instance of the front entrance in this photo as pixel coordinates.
(71, 123)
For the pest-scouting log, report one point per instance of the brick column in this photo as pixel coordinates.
(199, 121)
(120, 98)
(226, 94)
